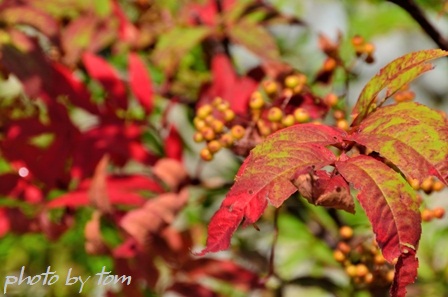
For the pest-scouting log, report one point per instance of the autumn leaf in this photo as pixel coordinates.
(265, 176)
(392, 77)
(405, 273)
(31, 16)
(97, 192)
(140, 82)
(411, 136)
(391, 206)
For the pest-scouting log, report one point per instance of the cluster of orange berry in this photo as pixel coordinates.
(429, 185)
(430, 214)
(211, 126)
(362, 261)
(363, 49)
(404, 94)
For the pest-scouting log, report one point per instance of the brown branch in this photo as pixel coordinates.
(418, 15)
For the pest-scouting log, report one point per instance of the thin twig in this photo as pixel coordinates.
(417, 14)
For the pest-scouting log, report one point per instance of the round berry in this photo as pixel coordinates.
(198, 137)
(329, 64)
(229, 115)
(208, 133)
(369, 48)
(301, 115)
(288, 120)
(344, 247)
(292, 81)
(275, 114)
(339, 256)
(368, 278)
(204, 111)
(427, 185)
(438, 186)
(206, 155)
(357, 40)
(346, 232)
(214, 146)
(256, 101)
(209, 119)
(426, 215)
(338, 115)
(361, 270)
(331, 99)
(226, 140)
(217, 126)
(351, 270)
(238, 131)
(199, 124)
(217, 101)
(223, 106)
(415, 184)
(379, 259)
(343, 125)
(438, 212)
(390, 276)
(270, 87)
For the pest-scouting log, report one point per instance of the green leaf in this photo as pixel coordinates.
(255, 38)
(173, 45)
(392, 77)
(410, 135)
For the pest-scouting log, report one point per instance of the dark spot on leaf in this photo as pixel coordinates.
(250, 192)
(338, 189)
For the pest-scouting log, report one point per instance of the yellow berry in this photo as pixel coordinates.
(217, 101)
(369, 48)
(275, 114)
(214, 146)
(223, 106)
(270, 87)
(256, 101)
(379, 259)
(390, 276)
(204, 111)
(228, 115)
(301, 115)
(368, 278)
(208, 133)
(206, 155)
(288, 120)
(438, 212)
(287, 93)
(338, 115)
(226, 140)
(209, 119)
(346, 232)
(198, 137)
(238, 131)
(351, 270)
(338, 256)
(217, 126)
(198, 123)
(331, 99)
(415, 184)
(291, 81)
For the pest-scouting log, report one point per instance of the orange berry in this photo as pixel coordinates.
(275, 114)
(214, 146)
(223, 106)
(426, 215)
(238, 131)
(343, 125)
(390, 276)
(368, 278)
(379, 259)
(301, 115)
(297, 89)
(198, 137)
(256, 101)
(438, 212)
(217, 126)
(339, 256)
(331, 99)
(287, 93)
(204, 111)
(361, 270)
(427, 185)
(415, 184)
(369, 48)
(209, 119)
(226, 140)
(438, 186)
(357, 40)
(344, 247)
(206, 155)
(208, 133)
(329, 64)
(288, 120)
(346, 232)
(228, 115)
(338, 115)
(217, 101)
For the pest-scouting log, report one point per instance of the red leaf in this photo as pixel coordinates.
(265, 176)
(100, 70)
(191, 289)
(140, 82)
(94, 244)
(98, 195)
(389, 202)
(154, 215)
(411, 136)
(405, 273)
(4, 222)
(127, 31)
(173, 144)
(171, 172)
(28, 15)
